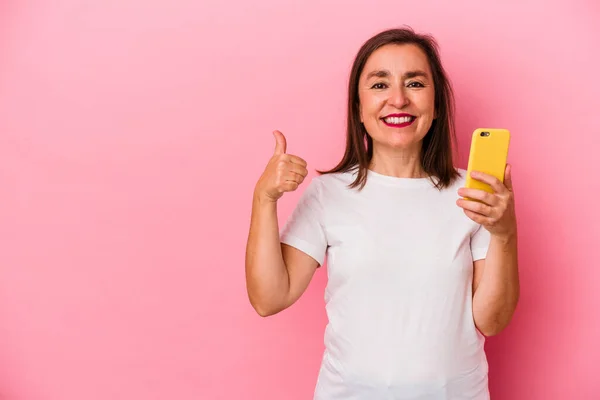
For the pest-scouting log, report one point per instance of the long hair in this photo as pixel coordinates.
(438, 143)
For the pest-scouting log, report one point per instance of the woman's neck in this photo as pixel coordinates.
(398, 163)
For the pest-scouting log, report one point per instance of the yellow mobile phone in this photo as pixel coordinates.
(489, 152)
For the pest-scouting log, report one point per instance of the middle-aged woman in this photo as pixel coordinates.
(417, 274)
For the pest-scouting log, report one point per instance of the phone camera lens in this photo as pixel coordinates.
(484, 134)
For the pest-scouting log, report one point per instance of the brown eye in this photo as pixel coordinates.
(378, 86)
(415, 84)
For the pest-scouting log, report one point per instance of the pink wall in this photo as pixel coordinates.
(131, 135)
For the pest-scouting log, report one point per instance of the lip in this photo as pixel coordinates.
(402, 125)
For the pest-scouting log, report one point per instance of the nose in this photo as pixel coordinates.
(398, 97)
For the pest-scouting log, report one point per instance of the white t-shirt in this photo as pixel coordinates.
(399, 293)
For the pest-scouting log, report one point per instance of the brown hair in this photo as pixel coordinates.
(438, 143)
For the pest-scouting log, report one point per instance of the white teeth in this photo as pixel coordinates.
(397, 120)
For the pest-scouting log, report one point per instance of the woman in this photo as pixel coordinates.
(418, 275)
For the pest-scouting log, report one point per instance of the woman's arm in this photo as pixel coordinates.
(276, 274)
(496, 285)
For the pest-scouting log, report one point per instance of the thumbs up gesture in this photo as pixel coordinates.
(283, 173)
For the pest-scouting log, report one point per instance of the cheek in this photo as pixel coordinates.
(370, 106)
(430, 104)
(365, 107)
(426, 109)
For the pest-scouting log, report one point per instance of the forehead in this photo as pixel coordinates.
(397, 59)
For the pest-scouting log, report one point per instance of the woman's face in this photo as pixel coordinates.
(397, 97)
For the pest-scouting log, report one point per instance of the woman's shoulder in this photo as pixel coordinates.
(462, 174)
(460, 180)
(331, 183)
(335, 178)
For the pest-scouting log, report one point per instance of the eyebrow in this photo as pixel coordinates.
(385, 74)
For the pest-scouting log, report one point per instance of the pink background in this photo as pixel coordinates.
(131, 136)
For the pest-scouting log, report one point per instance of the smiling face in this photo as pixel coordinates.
(397, 97)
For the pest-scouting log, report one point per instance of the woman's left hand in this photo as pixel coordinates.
(495, 211)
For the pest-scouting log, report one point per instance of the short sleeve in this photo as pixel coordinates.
(303, 229)
(480, 241)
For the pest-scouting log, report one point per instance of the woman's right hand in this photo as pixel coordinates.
(283, 173)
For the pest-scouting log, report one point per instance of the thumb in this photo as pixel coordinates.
(281, 145)
(508, 177)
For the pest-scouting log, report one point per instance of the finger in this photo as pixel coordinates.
(508, 177)
(289, 186)
(283, 167)
(295, 160)
(480, 195)
(494, 182)
(297, 168)
(293, 177)
(476, 207)
(480, 219)
(280, 143)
